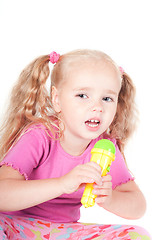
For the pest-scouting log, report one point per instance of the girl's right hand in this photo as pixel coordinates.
(80, 175)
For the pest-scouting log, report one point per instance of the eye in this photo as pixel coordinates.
(82, 95)
(107, 99)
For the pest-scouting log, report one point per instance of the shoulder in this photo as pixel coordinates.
(30, 150)
(37, 132)
(35, 140)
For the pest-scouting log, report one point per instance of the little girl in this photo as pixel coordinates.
(45, 148)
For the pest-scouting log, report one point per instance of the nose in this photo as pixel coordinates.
(97, 107)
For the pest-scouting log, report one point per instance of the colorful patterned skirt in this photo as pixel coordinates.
(18, 228)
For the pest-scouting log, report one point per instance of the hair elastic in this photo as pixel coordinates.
(121, 70)
(54, 57)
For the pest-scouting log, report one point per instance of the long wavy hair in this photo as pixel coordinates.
(31, 103)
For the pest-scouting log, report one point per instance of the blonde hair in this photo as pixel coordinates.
(30, 102)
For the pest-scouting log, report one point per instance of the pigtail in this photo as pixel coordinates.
(29, 103)
(126, 118)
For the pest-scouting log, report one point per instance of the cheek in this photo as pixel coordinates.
(67, 112)
(112, 113)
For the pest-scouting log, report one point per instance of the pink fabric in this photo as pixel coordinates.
(19, 228)
(38, 156)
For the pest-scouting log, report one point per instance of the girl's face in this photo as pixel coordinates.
(87, 100)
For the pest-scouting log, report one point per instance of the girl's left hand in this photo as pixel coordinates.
(104, 191)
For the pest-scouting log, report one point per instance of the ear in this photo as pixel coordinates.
(55, 100)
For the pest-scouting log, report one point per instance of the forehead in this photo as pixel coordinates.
(97, 74)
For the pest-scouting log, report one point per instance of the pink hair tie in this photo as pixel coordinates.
(54, 57)
(121, 70)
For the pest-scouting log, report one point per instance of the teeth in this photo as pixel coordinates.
(93, 122)
(96, 121)
(92, 125)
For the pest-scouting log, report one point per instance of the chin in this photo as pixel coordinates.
(93, 136)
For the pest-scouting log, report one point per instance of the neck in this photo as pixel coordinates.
(74, 148)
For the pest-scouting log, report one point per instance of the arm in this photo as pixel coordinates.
(126, 200)
(18, 193)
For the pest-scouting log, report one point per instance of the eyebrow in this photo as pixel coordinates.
(81, 89)
(107, 91)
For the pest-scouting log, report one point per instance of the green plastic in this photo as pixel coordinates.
(106, 145)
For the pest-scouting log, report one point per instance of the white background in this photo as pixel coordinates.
(125, 30)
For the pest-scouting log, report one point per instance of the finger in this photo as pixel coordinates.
(96, 166)
(93, 175)
(106, 182)
(89, 177)
(107, 178)
(91, 172)
(86, 179)
(100, 199)
(107, 185)
(102, 192)
(98, 187)
(91, 167)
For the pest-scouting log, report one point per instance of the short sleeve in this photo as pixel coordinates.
(28, 152)
(119, 170)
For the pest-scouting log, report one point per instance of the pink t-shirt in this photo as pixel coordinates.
(38, 156)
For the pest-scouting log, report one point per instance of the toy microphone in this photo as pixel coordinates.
(103, 153)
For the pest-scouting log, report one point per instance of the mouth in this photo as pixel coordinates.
(93, 123)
